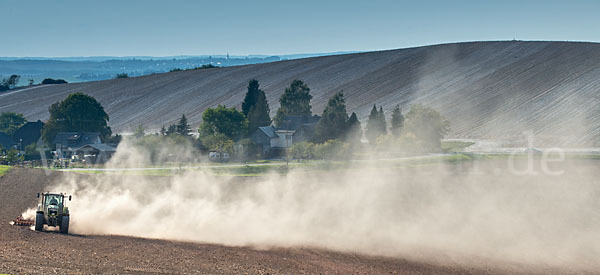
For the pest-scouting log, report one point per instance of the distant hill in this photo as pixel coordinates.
(102, 68)
(485, 89)
(92, 68)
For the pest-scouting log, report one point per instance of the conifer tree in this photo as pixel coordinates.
(259, 113)
(333, 122)
(251, 96)
(354, 130)
(294, 101)
(183, 128)
(397, 121)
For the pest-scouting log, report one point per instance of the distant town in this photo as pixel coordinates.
(82, 69)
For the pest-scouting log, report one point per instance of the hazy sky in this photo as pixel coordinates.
(172, 27)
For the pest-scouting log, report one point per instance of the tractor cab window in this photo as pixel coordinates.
(53, 200)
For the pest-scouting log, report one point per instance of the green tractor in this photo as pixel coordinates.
(52, 211)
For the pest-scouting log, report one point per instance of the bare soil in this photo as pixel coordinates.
(23, 250)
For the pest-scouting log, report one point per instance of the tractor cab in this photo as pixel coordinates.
(52, 211)
(53, 204)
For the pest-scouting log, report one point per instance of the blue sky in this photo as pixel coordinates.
(174, 27)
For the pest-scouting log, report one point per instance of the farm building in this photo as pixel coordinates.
(67, 142)
(94, 153)
(274, 140)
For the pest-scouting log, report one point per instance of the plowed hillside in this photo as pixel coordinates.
(485, 89)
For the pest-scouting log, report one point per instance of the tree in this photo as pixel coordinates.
(259, 113)
(397, 121)
(10, 122)
(354, 130)
(333, 123)
(251, 96)
(302, 150)
(383, 123)
(53, 81)
(375, 125)
(116, 139)
(222, 120)
(183, 128)
(31, 149)
(332, 149)
(9, 83)
(218, 142)
(122, 75)
(13, 156)
(139, 132)
(13, 80)
(295, 101)
(163, 131)
(172, 130)
(77, 113)
(427, 125)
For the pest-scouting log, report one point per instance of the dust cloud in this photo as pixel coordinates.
(459, 211)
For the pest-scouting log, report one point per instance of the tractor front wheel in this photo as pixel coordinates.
(39, 221)
(64, 225)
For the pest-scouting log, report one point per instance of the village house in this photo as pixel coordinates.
(68, 142)
(29, 133)
(273, 141)
(94, 153)
(6, 142)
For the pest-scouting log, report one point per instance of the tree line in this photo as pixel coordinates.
(12, 81)
(222, 127)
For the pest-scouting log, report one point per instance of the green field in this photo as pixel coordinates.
(455, 146)
(263, 168)
(255, 169)
(4, 169)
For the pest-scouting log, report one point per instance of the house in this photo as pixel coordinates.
(262, 138)
(29, 133)
(6, 142)
(274, 140)
(271, 140)
(67, 142)
(296, 122)
(95, 153)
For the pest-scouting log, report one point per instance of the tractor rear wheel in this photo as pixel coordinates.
(64, 225)
(39, 221)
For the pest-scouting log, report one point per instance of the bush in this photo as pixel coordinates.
(205, 66)
(13, 156)
(332, 149)
(31, 149)
(428, 126)
(53, 81)
(218, 143)
(246, 149)
(122, 75)
(302, 150)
